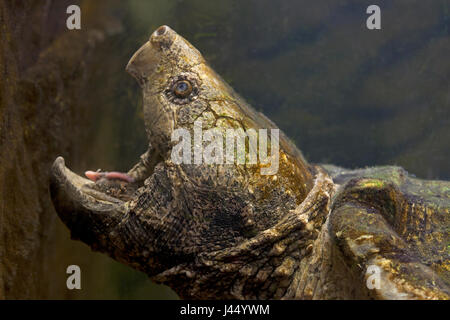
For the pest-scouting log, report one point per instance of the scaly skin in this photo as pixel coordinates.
(382, 216)
(227, 231)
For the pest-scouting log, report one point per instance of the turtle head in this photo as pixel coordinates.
(185, 209)
(178, 86)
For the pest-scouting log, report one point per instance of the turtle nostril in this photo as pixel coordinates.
(161, 30)
(162, 37)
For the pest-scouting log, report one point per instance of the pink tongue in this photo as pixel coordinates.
(118, 175)
(94, 176)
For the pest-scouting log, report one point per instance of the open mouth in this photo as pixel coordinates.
(115, 193)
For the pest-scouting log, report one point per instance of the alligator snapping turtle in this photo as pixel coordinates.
(229, 231)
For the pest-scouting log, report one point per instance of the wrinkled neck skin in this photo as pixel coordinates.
(287, 261)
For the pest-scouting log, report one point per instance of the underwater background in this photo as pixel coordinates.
(344, 94)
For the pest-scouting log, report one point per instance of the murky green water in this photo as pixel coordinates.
(345, 94)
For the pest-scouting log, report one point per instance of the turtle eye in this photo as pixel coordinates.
(182, 88)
